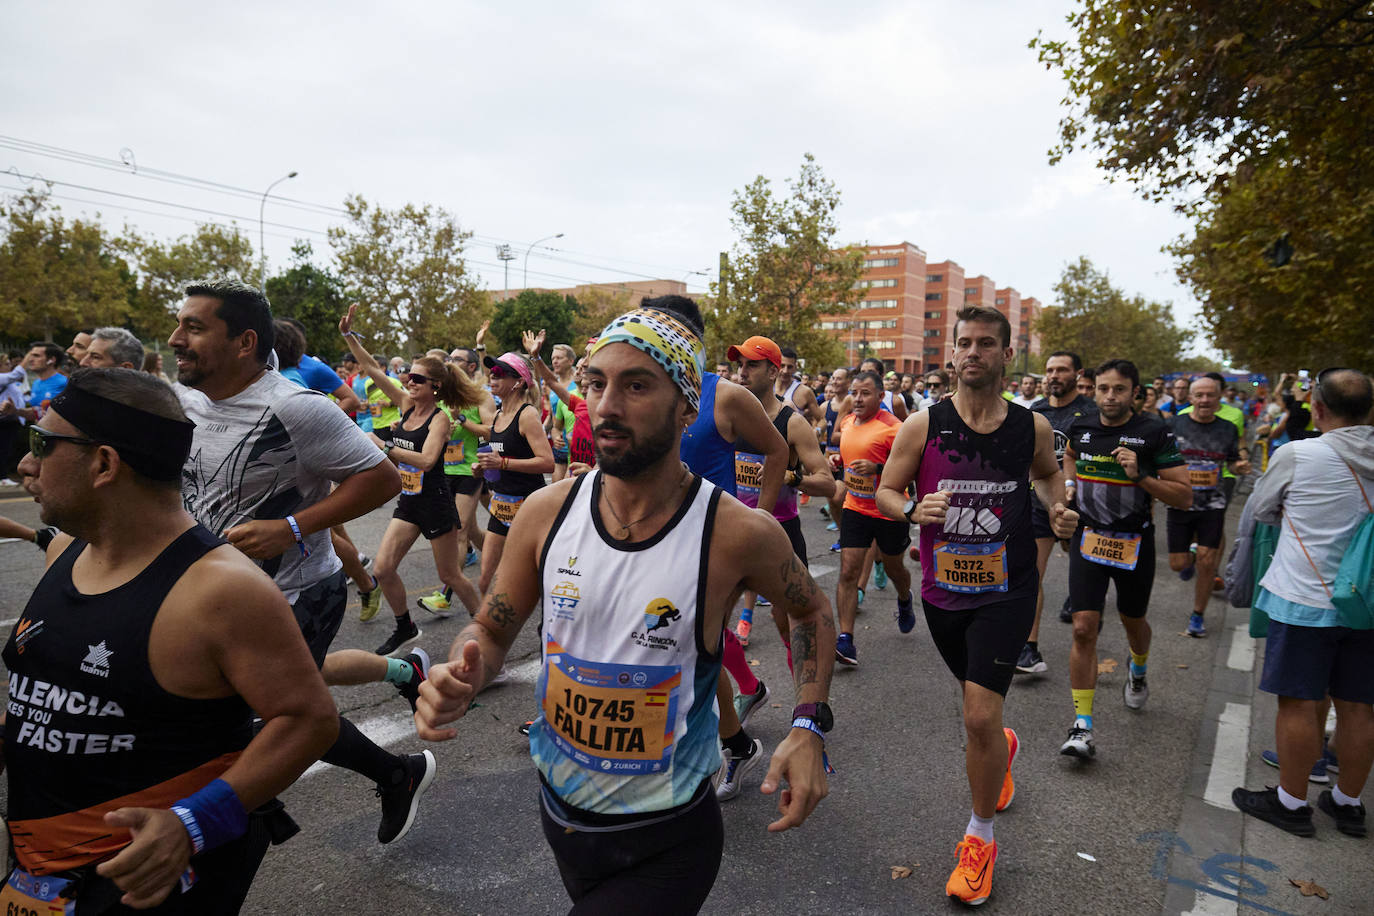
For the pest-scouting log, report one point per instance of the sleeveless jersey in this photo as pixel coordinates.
(509, 443)
(789, 396)
(413, 480)
(749, 472)
(985, 551)
(88, 728)
(832, 416)
(703, 447)
(627, 724)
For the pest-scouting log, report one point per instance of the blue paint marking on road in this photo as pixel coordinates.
(1215, 869)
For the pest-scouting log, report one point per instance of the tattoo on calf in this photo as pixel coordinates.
(799, 589)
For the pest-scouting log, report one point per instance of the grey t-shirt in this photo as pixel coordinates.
(268, 452)
(1207, 447)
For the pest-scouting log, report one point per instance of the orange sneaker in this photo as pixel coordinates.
(742, 631)
(971, 880)
(1008, 787)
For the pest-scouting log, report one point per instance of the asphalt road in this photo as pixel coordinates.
(1079, 838)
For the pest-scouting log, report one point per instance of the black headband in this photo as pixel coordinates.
(154, 446)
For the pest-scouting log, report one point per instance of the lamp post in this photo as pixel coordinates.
(262, 232)
(526, 281)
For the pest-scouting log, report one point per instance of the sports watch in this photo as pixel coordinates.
(909, 508)
(817, 712)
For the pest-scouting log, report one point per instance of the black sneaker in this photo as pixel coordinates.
(1066, 612)
(419, 667)
(1031, 661)
(1267, 807)
(1349, 818)
(401, 801)
(399, 638)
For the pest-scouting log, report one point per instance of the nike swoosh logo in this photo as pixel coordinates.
(982, 877)
(998, 661)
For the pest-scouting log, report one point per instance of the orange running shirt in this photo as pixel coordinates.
(870, 441)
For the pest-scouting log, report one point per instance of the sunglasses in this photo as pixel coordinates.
(416, 378)
(42, 441)
(500, 371)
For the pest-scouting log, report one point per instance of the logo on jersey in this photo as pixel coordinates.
(97, 661)
(569, 570)
(565, 596)
(1132, 440)
(1086, 437)
(972, 521)
(659, 614)
(24, 631)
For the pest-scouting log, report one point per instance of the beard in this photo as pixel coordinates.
(640, 454)
(192, 375)
(1057, 389)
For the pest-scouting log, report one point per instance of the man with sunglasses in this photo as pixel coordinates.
(162, 639)
(937, 385)
(1310, 651)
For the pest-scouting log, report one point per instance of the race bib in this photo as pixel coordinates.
(610, 718)
(374, 408)
(748, 474)
(1111, 548)
(971, 568)
(454, 453)
(1204, 475)
(26, 895)
(503, 508)
(861, 486)
(412, 479)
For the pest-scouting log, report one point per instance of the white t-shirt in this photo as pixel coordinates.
(1026, 403)
(268, 452)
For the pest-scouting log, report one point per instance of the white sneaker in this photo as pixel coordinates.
(1137, 691)
(8, 483)
(730, 779)
(1079, 744)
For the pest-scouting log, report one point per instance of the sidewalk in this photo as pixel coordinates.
(1220, 862)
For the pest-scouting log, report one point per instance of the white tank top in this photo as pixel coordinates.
(789, 397)
(627, 692)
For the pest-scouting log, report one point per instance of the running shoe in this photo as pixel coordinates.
(1350, 819)
(369, 602)
(401, 801)
(879, 575)
(915, 553)
(1008, 787)
(832, 527)
(1196, 628)
(825, 511)
(1137, 691)
(1321, 770)
(732, 770)
(472, 557)
(1187, 573)
(1267, 807)
(845, 653)
(366, 561)
(835, 547)
(762, 601)
(1079, 743)
(525, 728)
(861, 597)
(906, 616)
(398, 639)
(971, 880)
(8, 483)
(742, 631)
(1066, 612)
(746, 703)
(1030, 661)
(1218, 584)
(437, 604)
(419, 670)
(805, 499)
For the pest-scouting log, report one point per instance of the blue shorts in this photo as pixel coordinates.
(1307, 663)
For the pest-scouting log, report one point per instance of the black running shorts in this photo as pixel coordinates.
(432, 512)
(465, 484)
(794, 534)
(859, 530)
(1185, 528)
(319, 610)
(1088, 580)
(982, 644)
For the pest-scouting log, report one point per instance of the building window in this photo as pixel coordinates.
(932, 351)
(971, 291)
(931, 332)
(878, 304)
(1001, 300)
(882, 345)
(834, 325)
(933, 316)
(879, 262)
(934, 297)
(934, 278)
(879, 323)
(876, 284)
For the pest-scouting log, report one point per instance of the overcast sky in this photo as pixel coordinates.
(625, 126)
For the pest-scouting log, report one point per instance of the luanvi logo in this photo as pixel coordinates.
(97, 661)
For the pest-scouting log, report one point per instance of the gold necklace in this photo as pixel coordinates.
(624, 528)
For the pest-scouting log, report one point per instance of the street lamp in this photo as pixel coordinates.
(526, 281)
(262, 232)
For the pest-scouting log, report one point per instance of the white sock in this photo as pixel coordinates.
(1341, 798)
(1291, 802)
(981, 827)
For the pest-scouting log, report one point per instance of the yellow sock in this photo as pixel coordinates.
(1083, 703)
(1138, 661)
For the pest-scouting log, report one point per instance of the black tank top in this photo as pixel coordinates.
(88, 728)
(509, 443)
(432, 481)
(831, 417)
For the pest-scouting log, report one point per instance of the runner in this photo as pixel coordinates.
(866, 438)
(561, 418)
(1119, 462)
(1236, 417)
(580, 452)
(1062, 405)
(937, 386)
(262, 461)
(1196, 532)
(1087, 382)
(838, 405)
(791, 389)
(636, 565)
(973, 458)
(116, 800)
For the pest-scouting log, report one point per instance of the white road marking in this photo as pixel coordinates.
(1241, 657)
(1205, 904)
(818, 571)
(1228, 755)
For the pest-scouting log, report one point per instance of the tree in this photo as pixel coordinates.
(406, 267)
(312, 296)
(595, 307)
(164, 269)
(55, 275)
(1263, 113)
(1098, 321)
(784, 272)
(531, 310)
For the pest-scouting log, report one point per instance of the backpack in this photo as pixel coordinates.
(1262, 555)
(1352, 594)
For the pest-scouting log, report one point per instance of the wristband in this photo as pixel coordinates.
(810, 725)
(212, 817)
(296, 532)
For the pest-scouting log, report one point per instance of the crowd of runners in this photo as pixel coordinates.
(642, 507)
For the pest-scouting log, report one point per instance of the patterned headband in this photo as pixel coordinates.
(669, 342)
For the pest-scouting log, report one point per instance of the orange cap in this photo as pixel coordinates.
(755, 348)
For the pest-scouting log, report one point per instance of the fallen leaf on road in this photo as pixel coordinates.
(777, 706)
(1310, 888)
(755, 662)
(1183, 666)
(1106, 666)
(900, 871)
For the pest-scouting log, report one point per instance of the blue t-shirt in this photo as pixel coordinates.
(47, 389)
(364, 417)
(295, 376)
(318, 375)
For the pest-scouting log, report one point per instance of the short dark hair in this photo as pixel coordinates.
(680, 307)
(870, 375)
(1077, 361)
(50, 350)
(242, 308)
(981, 314)
(789, 353)
(1123, 367)
(1089, 373)
(1216, 377)
(1347, 393)
(882, 367)
(289, 344)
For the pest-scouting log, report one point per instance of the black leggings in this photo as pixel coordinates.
(662, 869)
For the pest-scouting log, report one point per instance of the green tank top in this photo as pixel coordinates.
(461, 450)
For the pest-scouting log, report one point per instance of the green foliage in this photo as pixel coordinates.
(312, 296)
(56, 276)
(1098, 321)
(406, 268)
(783, 272)
(164, 269)
(531, 310)
(595, 307)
